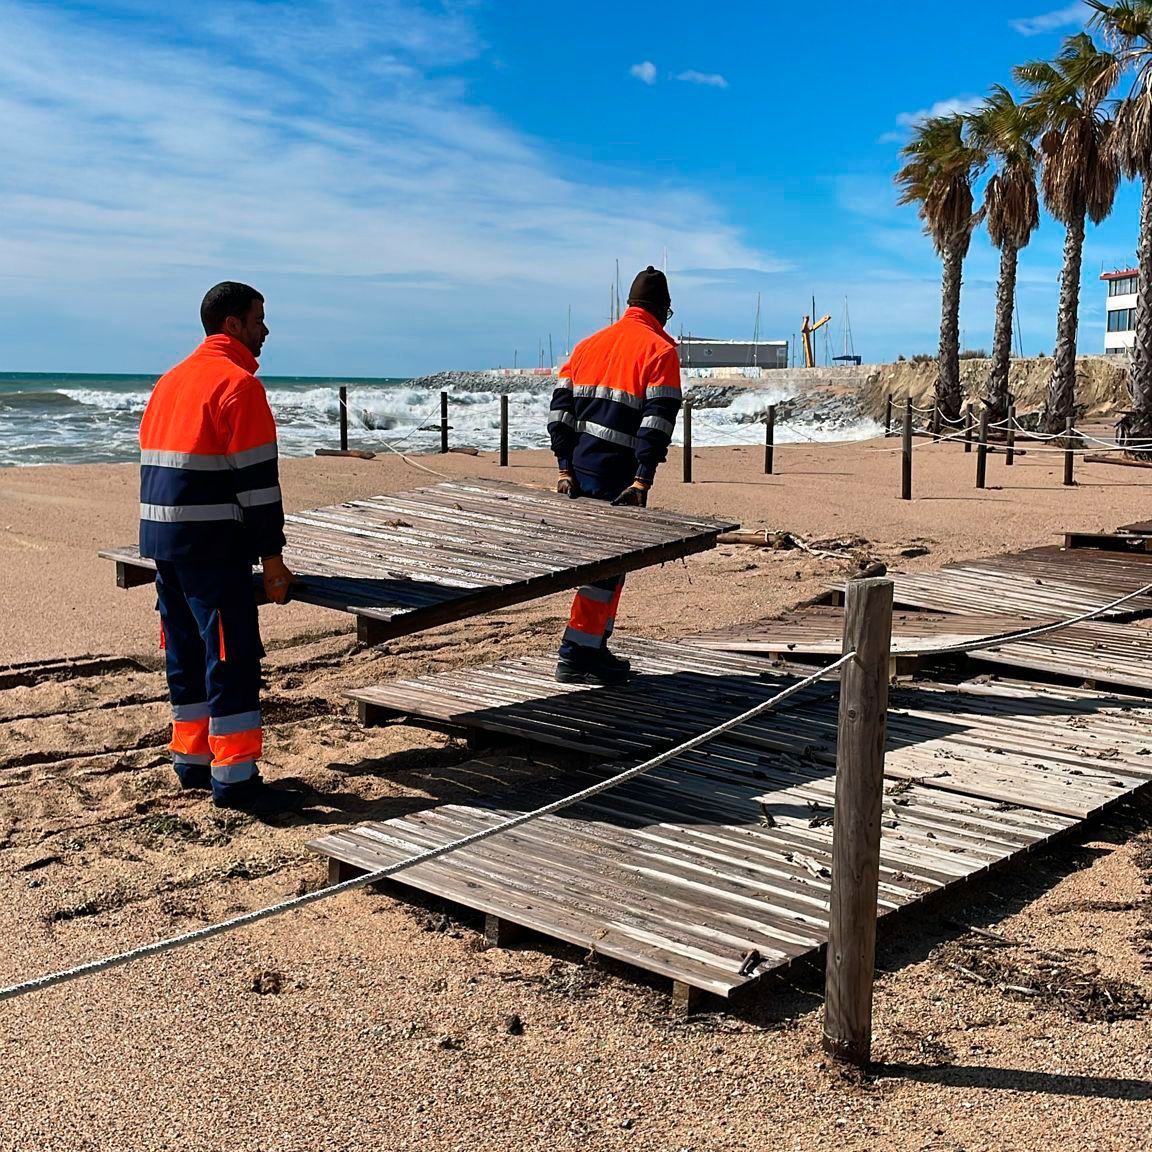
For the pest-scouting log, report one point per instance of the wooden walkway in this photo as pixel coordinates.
(726, 850)
(1093, 653)
(419, 559)
(1039, 583)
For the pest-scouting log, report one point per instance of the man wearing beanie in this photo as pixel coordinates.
(613, 414)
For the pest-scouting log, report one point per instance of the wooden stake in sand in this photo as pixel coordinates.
(968, 426)
(906, 453)
(982, 451)
(1010, 436)
(1069, 455)
(856, 822)
(503, 431)
(343, 418)
(888, 415)
(687, 410)
(443, 422)
(769, 439)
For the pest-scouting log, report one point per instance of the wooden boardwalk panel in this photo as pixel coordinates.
(1040, 582)
(418, 559)
(728, 848)
(1117, 655)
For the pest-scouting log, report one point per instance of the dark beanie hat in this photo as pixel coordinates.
(650, 291)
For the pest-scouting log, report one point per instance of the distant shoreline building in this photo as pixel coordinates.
(697, 352)
(1120, 329)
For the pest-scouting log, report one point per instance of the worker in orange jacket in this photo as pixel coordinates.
(613, 414)
(210, 507)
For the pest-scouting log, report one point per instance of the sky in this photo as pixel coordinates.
(417, 186)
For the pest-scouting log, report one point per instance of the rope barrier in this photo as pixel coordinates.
(91, 968)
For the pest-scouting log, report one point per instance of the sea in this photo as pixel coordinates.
(88, 419)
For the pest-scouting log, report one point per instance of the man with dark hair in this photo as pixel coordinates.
(613, 413)
(210, 507)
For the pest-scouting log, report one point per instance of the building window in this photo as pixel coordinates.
(1125, 286)
(1122, 320)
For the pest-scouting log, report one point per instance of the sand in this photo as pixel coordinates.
(383, 1024)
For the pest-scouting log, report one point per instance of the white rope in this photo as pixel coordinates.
(39, 983)
(415, 463)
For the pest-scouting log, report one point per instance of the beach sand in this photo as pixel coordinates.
(388, 1029)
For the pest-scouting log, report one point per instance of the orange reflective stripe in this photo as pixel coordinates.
(591, 615)
(190, 737)
(237, 747)
(163, 638)
(220, 634)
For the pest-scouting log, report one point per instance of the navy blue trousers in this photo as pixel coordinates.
(212, 646)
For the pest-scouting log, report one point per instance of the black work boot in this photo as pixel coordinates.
(601, 667)
(260, 799)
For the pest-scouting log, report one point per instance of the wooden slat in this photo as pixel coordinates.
(419, 559)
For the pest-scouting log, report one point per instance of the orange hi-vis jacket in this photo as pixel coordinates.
(209, 478)
(614, 408)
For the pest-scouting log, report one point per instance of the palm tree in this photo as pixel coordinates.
(1079, 180)
(1129, 26)
(1005, 131)
(940, 167)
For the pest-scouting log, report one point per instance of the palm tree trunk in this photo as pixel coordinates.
(948, 382)
(1142, 358)
(1062, 387)
(1002, 337)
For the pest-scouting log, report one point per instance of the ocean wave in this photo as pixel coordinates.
(22, 401)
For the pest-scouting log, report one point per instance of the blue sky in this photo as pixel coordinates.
(418, 186)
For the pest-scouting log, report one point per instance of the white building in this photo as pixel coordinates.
(1120, 331)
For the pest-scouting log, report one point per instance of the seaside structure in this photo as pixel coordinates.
(698, 352)
(1120, 330)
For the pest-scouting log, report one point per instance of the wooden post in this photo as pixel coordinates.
(856, 822)
(1010, 436)
(982, 450)
(888, 415)
(443, 421)
(769, 439)
(503, 431)
(935, 423)
(343, 418)
(906, 453)
(968, 426)
(1069, 456)
(687, 410)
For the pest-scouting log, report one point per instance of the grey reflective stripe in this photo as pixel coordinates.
(234, 773)
(189, 513)
(609, 434)
(664, 392)
(565, 383)
(599, 595)
(556, 416)
(192, 461)
(190, 711)
(259, 496)
(603, 392)
(230, 725)
(582, 639)
(659, 423)
(252, 456)
(191, 758)
(206, 461)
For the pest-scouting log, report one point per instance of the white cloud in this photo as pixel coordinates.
(1072, 15)
(394, 225)
(909, 120)
(645, 71)
(710, 79)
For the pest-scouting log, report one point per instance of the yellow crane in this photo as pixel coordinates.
(806, 330)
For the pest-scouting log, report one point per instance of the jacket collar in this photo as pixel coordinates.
(232, 349)
(648, 320)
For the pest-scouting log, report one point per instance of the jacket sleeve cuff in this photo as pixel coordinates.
(646, 473)
(564, 463)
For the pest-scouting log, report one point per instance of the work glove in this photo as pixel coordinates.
(278, 580)
(566, 485)
(634, 496)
